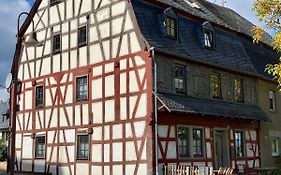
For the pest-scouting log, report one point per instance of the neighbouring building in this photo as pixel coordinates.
(4, 120)
(87, 99)
(270, 102)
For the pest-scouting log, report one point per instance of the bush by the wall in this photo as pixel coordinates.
(3, 150)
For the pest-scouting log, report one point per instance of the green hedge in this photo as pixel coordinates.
(3, 150)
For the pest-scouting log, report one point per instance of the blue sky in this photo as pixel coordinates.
(8, 22)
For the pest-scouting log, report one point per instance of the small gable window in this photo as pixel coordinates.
(171, 27)
(82, 36)
(82, 88)
(208, 38)
(83, 147)
(56, 43)
(208, 32)
(40, 147)
(39, 95)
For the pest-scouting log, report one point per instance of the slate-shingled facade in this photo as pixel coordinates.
(229, 131)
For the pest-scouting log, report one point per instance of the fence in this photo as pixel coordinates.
(195, 170)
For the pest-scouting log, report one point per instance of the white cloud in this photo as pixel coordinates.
(9, 11)
(242, 7)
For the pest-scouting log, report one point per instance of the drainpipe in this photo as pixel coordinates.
(155, 111)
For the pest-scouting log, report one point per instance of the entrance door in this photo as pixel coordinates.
(221, 149)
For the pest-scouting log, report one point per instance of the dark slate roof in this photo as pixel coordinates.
(221, 15)
(179, 103)
(231, 51)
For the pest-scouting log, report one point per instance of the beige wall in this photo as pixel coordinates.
(269, 129)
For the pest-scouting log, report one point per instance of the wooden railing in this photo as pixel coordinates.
(195, 170)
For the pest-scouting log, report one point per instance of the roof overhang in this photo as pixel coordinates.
(212, 108)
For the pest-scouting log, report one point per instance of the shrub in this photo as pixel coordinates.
(3, 150)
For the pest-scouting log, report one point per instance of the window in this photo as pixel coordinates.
(82, 88)
(272, 106)
(239, 144)
(197, 142)
(83, 147)
(56, 43)
(179, 78)
(275, 146)
(190, 142)
(238, 90)
(40, 147)
(39, 95)
(171, 27)
(54, 2)
(215, 85)
(183, 141)
(208, 38)
(82, 36)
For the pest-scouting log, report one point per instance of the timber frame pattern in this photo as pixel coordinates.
(168, 141)
(117, 113)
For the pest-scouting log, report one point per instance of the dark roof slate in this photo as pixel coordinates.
(180, 103)
(230, 51)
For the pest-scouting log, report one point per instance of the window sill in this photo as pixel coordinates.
(216, 98)
(191, 158)
(56, 52)
(82, 100)
(40, 158)
(39, 107)
(82, 45)
(83, 159)
(171, 37)
(55, 3)
(209, 48)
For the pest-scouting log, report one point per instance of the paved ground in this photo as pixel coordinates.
(3, 166)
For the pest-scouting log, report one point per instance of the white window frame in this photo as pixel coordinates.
(271, 96)
(277, 146)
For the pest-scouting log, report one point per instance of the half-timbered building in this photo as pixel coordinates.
(111, 71)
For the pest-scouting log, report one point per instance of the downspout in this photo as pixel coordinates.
(155, 111)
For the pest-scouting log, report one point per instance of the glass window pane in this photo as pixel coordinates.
(179, 78)
(83, 147)
(40, 147)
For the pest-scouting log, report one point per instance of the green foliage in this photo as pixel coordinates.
(3, 150)
(269, 12)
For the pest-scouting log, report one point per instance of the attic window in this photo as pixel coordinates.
(208, 38)
(171, 27)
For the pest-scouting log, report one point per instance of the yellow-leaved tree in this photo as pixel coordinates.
(269, 12)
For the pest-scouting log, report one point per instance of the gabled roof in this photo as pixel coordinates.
(180, 103)
(233, 50)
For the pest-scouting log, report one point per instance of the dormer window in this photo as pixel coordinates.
(171, 27)
(208, 38)
(208, 32)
